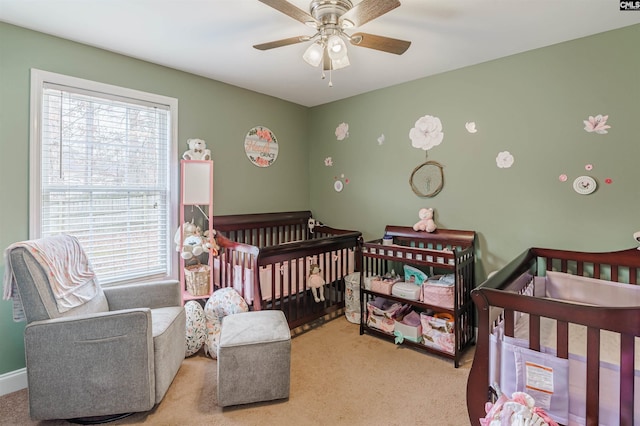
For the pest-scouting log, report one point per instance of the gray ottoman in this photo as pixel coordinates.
(254, 358)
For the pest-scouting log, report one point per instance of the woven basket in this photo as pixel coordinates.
(197, 279)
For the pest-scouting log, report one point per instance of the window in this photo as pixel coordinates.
(104, 169)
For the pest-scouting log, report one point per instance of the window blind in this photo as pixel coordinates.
(105, 179)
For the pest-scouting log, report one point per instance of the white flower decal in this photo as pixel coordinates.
(504, 160)
(342, 131)
(471, 127)
(381, 139)
(427, 133)
(597, 124)
(328, 161)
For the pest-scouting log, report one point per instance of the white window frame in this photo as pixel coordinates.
(38, 80)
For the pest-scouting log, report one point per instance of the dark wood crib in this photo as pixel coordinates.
(266, 257)
(515, 290)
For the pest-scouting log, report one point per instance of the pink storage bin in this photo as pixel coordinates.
(438, 332)
(438, 294)
(383, 285)
(380, 314)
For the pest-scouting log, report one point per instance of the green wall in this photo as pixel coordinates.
(218, 113)
(531, 104)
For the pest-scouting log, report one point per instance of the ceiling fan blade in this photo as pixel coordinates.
(280, 43)
(385, 44)
(292, 11)
(367, 10)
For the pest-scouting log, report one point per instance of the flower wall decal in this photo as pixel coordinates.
(562, 178)
(471, 127)
(504, 160)
(381, 139)
(426, 133)
(597, 124)
(342, 131)
(328, 161)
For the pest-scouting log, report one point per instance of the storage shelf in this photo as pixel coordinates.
(444, 252)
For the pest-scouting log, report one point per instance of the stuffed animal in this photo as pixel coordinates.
(193, 243)
(426, 222)
(197, 150)
(316, 283)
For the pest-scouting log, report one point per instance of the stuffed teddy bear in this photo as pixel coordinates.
(197, 150)
(193, 244)
(426, 222)
(316, 282)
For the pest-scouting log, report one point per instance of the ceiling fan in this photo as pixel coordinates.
(331, 18)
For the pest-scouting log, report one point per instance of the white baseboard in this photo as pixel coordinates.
(13, 381)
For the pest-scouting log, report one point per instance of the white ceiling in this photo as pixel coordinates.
(214, 38)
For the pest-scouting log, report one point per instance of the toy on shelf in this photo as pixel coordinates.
(426, 222)
(197, 150)
(193, 243)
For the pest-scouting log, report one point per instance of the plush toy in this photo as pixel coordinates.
(426, 222)
(316, 282)
(193, 242)
(517, 411)
(197, 150)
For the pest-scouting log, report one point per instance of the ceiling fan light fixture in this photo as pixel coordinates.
(313, 54)
(337, 64)
(336, 47)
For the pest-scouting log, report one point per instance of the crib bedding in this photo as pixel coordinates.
(335, 261)
(558, 384)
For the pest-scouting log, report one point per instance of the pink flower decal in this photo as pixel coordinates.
(608, 181)
(588, 167)
(597, 124)
(328, 161)
(563, 178)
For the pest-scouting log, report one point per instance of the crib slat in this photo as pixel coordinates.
(627, 357)
(593, 376)
(509, 326)
(534, 332)
(614, 273)
(562, 343)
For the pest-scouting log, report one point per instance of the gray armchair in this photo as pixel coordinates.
(117, 353)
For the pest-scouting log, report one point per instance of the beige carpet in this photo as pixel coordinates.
(337, 378)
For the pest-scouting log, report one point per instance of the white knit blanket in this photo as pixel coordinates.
(71, 277)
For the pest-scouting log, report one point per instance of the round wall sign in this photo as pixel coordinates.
(584, 185)
(261, 146)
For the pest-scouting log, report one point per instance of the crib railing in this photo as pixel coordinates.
(504, 297)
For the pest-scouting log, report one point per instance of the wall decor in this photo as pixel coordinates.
(471, 126)
(597, 124)
(381, 139)
(261, 146)
(328, 161)
(504, 160)
(584, 185)
(426, 133)
(342, 131)
(427, 180)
